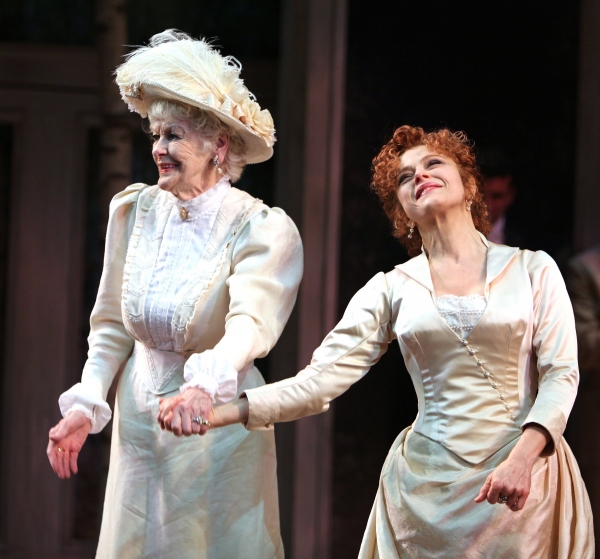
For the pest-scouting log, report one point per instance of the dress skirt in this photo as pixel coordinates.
(210, 497)
(425, 509)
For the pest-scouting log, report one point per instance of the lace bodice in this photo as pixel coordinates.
(183, 242)
(461, 313)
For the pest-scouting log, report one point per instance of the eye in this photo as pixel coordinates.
(433, 162)
(404, 177)
(173, 136)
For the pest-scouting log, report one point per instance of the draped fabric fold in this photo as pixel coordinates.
(424, 508)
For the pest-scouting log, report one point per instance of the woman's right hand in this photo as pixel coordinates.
(66, 440)
(177, 413)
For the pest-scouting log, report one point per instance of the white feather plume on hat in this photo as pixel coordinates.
(175, 66)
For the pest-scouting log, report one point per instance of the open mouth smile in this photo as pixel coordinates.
(425, 187)
(166, 167)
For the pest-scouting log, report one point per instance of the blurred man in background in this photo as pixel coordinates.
(500, 191)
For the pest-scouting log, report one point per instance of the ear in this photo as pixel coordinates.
(221, 146)
(470, 188)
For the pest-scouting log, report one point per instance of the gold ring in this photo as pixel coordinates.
(60, 449)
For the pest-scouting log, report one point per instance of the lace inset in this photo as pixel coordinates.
(461, 313)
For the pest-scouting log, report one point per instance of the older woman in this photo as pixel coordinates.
(199, 280)
(487, 335)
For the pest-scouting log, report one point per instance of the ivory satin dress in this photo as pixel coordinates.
(174, 284)
(476, 390)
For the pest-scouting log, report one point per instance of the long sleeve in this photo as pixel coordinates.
(585, 298)
(555, 343)
(109, 343)
(344, 357)
(266, 269)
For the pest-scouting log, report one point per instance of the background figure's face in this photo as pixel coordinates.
(429, 183)
(183, 160)
(499, 193)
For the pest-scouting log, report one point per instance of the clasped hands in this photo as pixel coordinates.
(177, 413)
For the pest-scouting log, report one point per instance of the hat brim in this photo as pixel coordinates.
(256, 148)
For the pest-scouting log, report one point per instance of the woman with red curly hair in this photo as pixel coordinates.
(488, 337)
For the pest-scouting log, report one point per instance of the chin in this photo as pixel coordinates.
(165, 184)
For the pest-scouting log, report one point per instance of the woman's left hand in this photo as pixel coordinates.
(176, 413)
(510, 480)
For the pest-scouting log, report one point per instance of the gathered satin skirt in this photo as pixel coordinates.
(210, 497)
(425, 509)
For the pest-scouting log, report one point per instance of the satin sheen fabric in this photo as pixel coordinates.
(468, 421)
(188, 497)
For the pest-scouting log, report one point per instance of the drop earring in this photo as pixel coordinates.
(469, 204)
(216, 163)
(411, 231)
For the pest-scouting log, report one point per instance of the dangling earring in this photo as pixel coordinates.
(216, 164)
(469, 204)
(412, 230)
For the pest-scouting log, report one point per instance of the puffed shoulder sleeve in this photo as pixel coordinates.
(109, 343)
(345, 356)
(555, 344)
(266, 269)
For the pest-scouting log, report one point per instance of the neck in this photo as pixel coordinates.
(207, 181)
(455, 238)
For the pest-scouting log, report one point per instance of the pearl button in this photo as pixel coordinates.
(488, 376)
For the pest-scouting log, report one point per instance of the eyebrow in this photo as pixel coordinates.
(166, 128)
(412, 168)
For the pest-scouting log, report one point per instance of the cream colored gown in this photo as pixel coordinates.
(211, 497)
(517, 366)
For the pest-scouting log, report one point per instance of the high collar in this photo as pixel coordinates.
(497, 258)
(202, 202)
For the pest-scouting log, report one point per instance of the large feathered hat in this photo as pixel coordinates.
(175, 66)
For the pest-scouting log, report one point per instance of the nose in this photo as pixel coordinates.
(160, 147)
(421, 175)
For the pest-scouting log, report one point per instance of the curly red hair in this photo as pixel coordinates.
(386, 166)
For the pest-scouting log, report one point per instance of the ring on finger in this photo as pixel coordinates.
(201, 421)
(60, 449)
(502, 499)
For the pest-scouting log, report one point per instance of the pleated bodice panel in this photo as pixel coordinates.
(184, 229)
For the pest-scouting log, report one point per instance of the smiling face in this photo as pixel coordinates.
(184, 161)
(428, 184)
